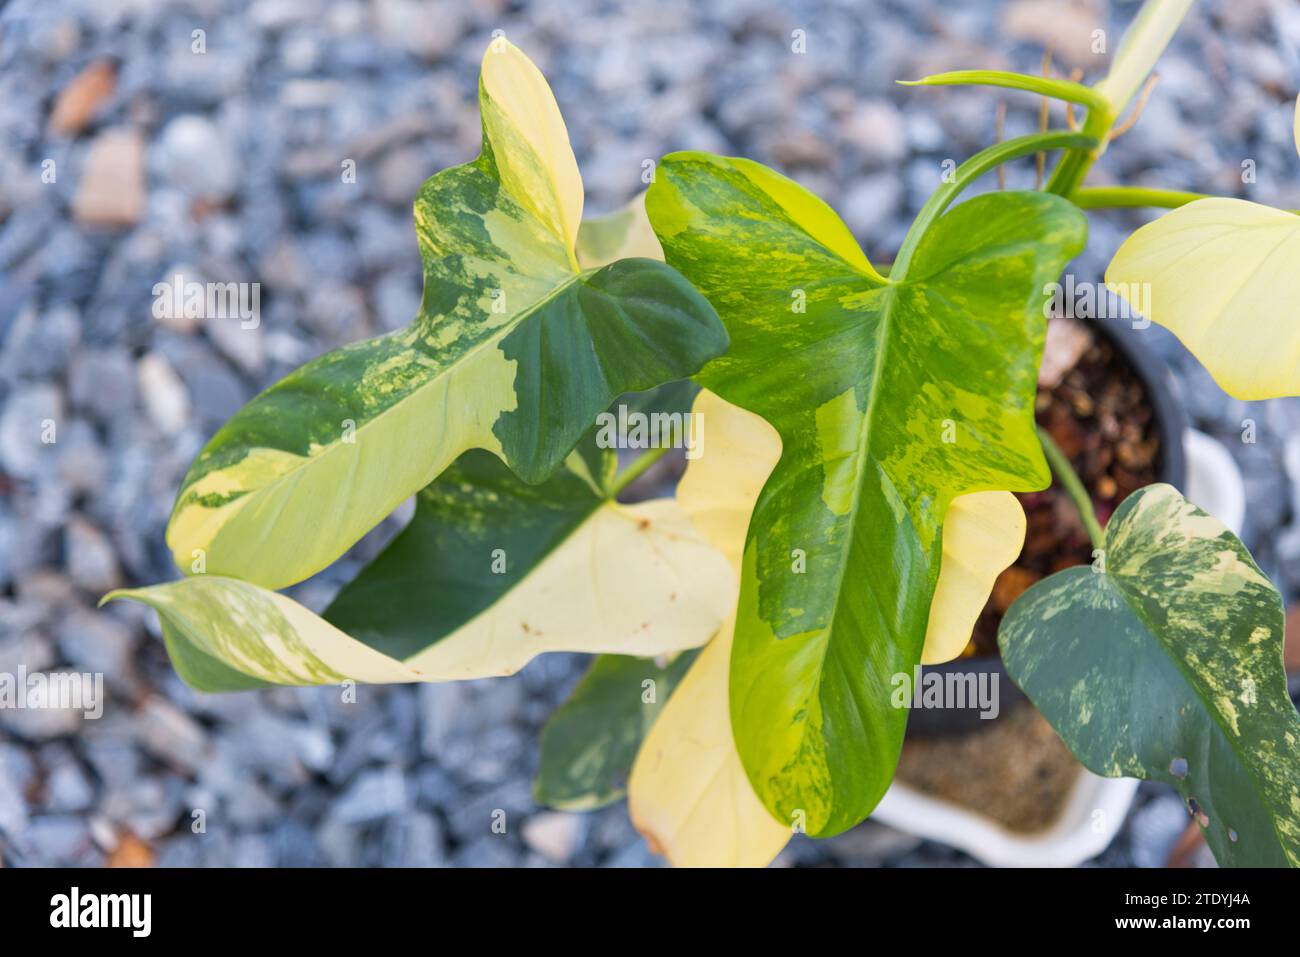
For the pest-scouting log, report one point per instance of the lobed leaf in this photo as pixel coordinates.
(1168, 667)
(689, 793)
(577, 572)
(516, 349)
(843, 554)
(1223, 275)
(590, 742)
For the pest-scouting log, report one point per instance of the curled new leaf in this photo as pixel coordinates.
(1167, 666)
(516, 348)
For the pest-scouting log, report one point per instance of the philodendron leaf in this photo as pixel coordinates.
(591, 740)
(1167, 666)
(983, 533)
(622, 234)
(689, 794)
(515, 350)
(488, 566)
(490, 573)
(1224, 276)
(891, 398)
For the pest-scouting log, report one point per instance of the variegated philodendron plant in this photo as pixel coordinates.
(826, 537)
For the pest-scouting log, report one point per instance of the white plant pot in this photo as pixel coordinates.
(1095, 807)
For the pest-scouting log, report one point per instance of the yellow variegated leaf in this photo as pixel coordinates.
(982, 535)
(623, 234)
(1144, 41)
(1224, 276)
(688, 793)
(515, 350)
(523, 125)
(636, 580)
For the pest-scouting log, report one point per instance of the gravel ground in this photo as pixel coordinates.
(126, 157)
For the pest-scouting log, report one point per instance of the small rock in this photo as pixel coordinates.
(40, 345)
(170, 734)
(96, 642)
(554, 834)
(80, 100)
(89, 557)
(375, 794)
(241, 341)
(102, 382)
(1155, 828)
(130, 852)
(13, 809)
(68, 789)
(1066, 26)
(871, 204)
(875, 127)
(494, 850)
(429, 30)
(413, 839)
(164, 395)
(195, 156)
(29, 428)
(111, 192)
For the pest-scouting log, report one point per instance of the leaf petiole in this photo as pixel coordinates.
(1073, 485)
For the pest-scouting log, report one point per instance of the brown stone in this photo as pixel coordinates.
(80, 100)
(112, 188)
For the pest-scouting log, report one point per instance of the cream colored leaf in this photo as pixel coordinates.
(636, 580)
(688, 793)
(982, 534)
(1224, 276)
(539, 167)
(1142, 44)
(623, 234)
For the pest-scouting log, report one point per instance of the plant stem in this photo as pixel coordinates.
(1128, 197)
(638, 466)
(1075, 163)
(1073, 485)
(1066, 90)
(977, 165)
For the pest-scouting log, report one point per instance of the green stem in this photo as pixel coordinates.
(1074, 165)
(638, 466)
(1128, 197)
(977, 165)
(1066, 90)
(1073, 485)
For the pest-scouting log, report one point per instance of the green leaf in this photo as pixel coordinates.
(863, 378)
(1167, 666)
(489, 573)
(591, 741)
(515, 350)
(485, 559)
